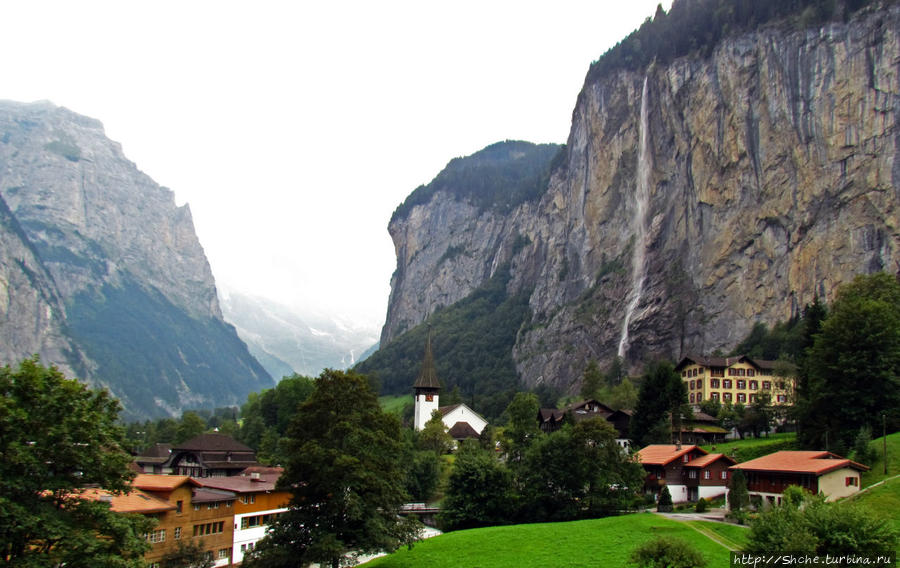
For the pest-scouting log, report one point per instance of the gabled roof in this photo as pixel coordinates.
(247, 482)
(210, 495)
(462, 431)
(584, 405)
(153, 482)
(815, 462)
(155, 453)
(663, 454)
(134, 502)
(548, 414)
(704, 461)
(212, 442)
(427, 378)
(725, 361)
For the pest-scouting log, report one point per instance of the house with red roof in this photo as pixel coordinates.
(688, 471)
(818, 471)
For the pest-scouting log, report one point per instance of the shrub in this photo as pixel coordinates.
(702, 506)
(667, 552)
(665, 501)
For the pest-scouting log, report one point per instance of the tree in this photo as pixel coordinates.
(345, 472)
(56, 437)
(623, 396)
(479, 492)
(192, 425)
(592, 381)
(807, 524)
(738, 497)
(662, 395)
(190, 555)
(855, 357)
(667, 552)
(522, 425)
(665, 500)
(434, 436)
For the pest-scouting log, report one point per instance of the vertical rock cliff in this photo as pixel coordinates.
(772, 176)
(123, 290)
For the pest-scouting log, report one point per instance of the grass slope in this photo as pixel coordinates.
(876, 471)
(752, 448)
(394, 403)
(882, 501)
(596, 542)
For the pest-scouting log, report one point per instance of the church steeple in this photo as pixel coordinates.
(427, 388)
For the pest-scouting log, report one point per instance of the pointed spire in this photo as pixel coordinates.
(428, 376)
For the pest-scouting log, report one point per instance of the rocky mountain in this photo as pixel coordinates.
(103, 274)
(696, 196)
(288, 340)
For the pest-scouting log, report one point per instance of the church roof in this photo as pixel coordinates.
(462, 430)
(428, 376)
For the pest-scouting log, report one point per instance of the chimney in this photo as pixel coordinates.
(255, 476)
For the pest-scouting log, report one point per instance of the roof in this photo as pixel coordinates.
(445, 410)
(704, 461)
(210, 495)
(153, 482)
(816, 462)
(663, 454)
(427, 378)
(213, 442)
(547, 414)
(462, 430)
(157, 451)
(601, 408)
(245, 483)
(724, 361)
(134, 502)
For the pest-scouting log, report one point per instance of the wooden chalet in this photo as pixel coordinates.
(687, 470)
(210, 455)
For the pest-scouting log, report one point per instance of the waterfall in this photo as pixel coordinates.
(639, 224)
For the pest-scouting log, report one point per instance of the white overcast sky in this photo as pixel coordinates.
(294, 129)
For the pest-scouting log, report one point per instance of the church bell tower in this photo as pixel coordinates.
(426, 388)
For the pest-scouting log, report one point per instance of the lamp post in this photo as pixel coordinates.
(884, 439)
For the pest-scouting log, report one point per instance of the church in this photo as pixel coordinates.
(460, 421)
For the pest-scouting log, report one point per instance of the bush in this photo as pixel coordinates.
(702, 506)
(667, 552)
(665, 501)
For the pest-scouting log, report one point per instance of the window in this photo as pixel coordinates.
(701, 370)
(724, 475)
(752, 398)
(714, 396)
(196, 506)
(685, 458)
(158, 535)
(177, 533)
(699, 383)
(247, 499)
(767, 385)
(224, 553)
(781, 385)
(851, 482)
(692, 474)
(726, 396)
(754, 385)
(782, 398)
(153, 565)
(742, 397)
(726, 383)
(683, 374)
(692, 385)
(692, 397)
(714, 383)
(742, 384)
(209, 528)
(706, 474)
(179, 506)
(751, 373)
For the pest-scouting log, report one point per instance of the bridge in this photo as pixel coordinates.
(425, 513)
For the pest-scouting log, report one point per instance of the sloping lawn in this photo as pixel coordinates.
(598, 542)
(876, 473)
(882, 501)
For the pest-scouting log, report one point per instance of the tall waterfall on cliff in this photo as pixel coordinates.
(639, 224)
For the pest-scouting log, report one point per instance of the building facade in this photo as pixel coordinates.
(735, 380)
(688, 471)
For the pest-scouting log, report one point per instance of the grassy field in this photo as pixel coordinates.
(876, 471)
(597, 542)
(394, 403)
(882, 501)
(733, 536)
(752, 448)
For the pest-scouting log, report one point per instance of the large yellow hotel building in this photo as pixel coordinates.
(738, 380)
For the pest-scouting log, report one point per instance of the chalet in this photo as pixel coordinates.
(210, 455)
(185, 512)
(257, 505)
(702, 429)
(551, 419)
(153, 459)
(817, 471)
(688, 471)
(738, 380)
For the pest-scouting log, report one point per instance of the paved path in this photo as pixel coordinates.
(690, 519)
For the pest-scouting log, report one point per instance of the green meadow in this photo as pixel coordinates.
(597, 542)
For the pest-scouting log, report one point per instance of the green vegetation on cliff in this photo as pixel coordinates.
(697, 26)
(500, 176)
(472, 342)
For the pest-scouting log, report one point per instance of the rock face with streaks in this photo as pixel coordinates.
(772, 176)
(116, 287)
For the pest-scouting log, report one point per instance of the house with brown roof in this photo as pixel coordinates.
(210, 455)
(151, 460)
(551, 419)
(688, 471)
(258, 504)
(461, 421)
(817, 471)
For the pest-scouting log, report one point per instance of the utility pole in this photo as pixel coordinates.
(884, 439)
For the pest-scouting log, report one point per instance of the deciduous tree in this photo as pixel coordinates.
(56, 437)
(345, 472)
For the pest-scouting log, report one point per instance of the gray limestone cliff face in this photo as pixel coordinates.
(103, 275)
(773, 175)
(77, 196)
